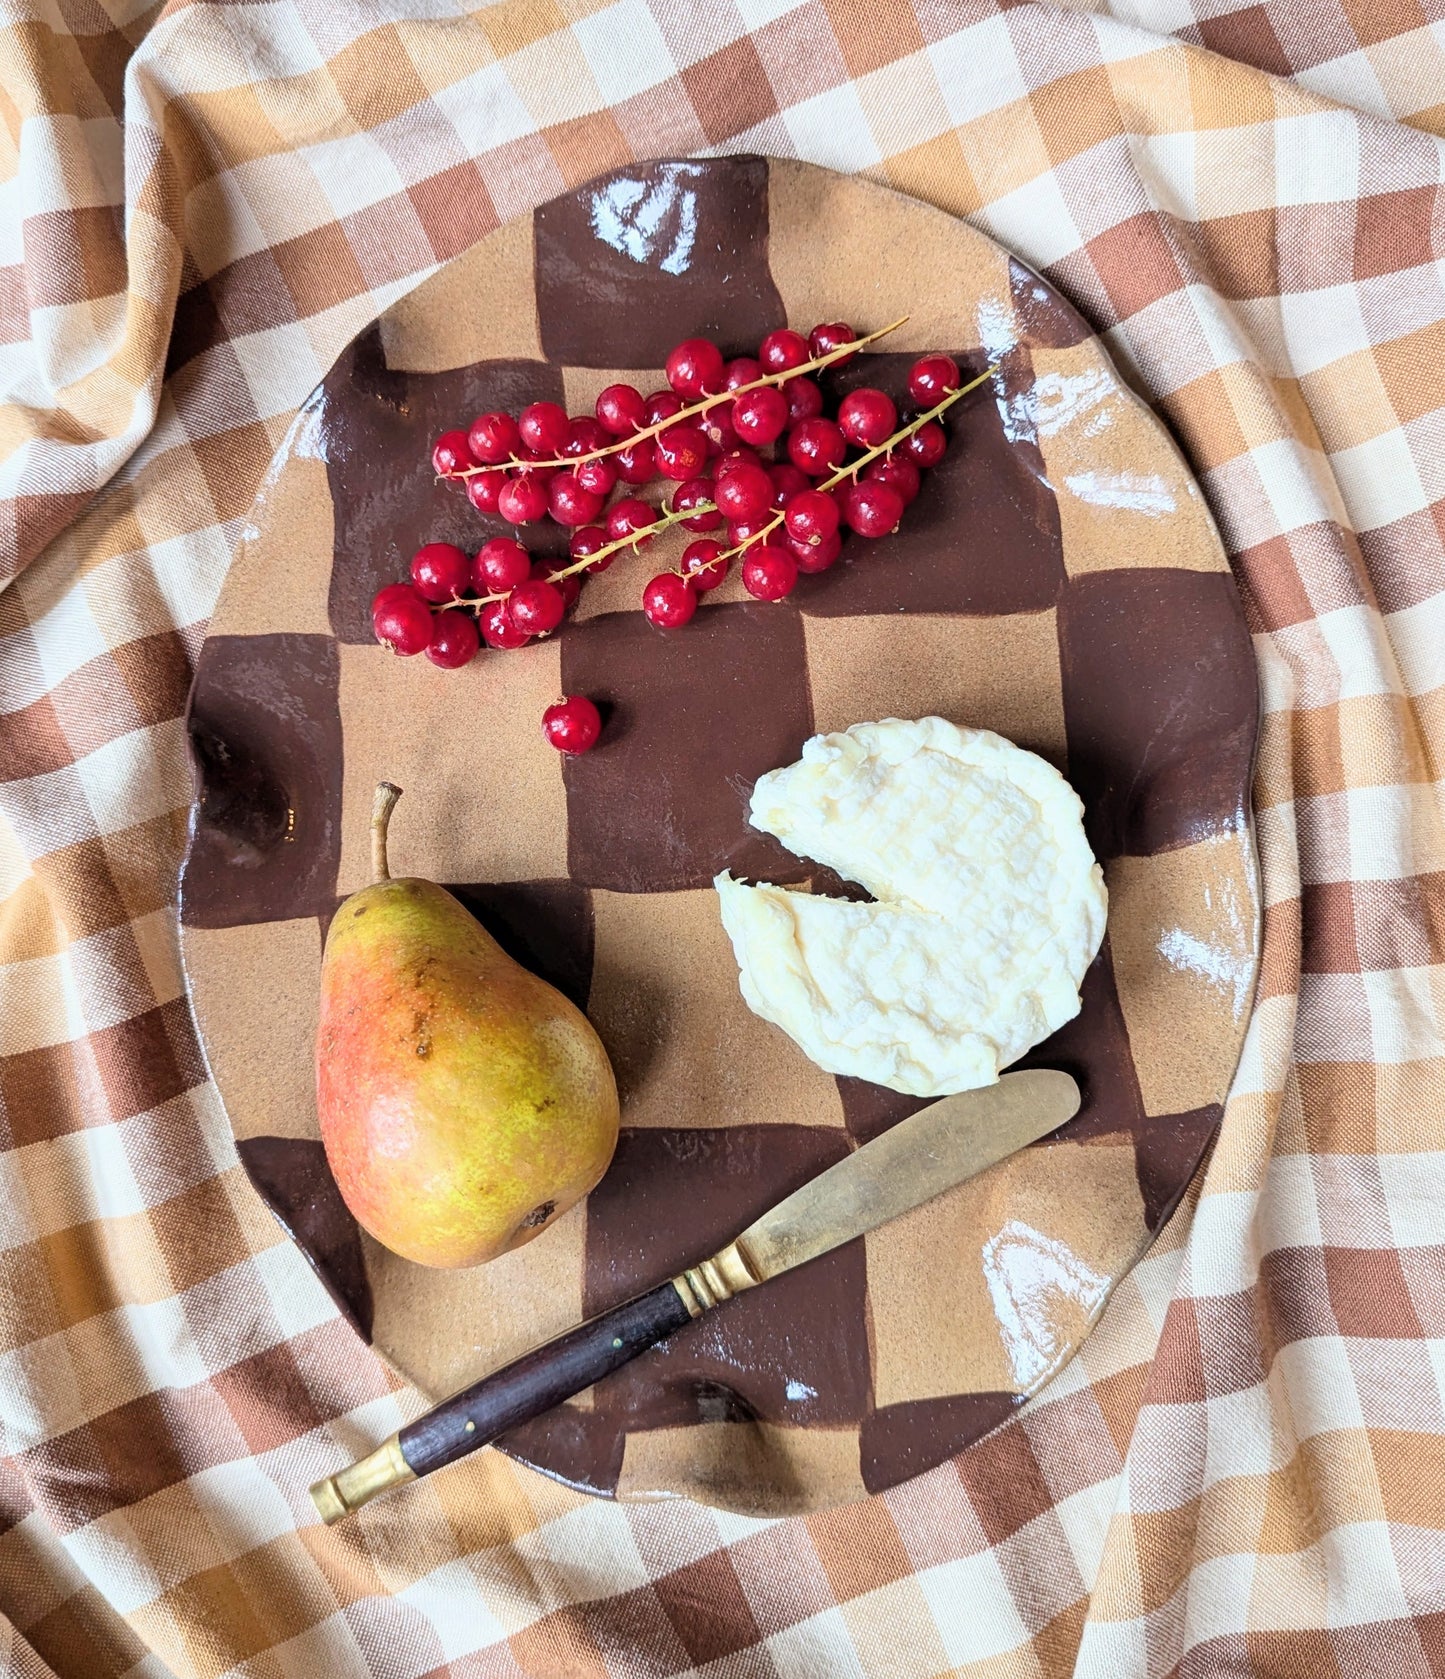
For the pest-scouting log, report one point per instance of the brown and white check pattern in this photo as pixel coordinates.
(1243, 1471)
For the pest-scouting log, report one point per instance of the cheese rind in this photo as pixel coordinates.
(988, 906)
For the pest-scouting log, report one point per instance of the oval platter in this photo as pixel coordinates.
(1059, 580)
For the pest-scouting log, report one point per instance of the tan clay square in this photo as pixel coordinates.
(281, 573)
(990, 673)
(264, 1060)
(985, 1288)
(484, 797)
(686, 1048)
(1182, 932)
(481, 307)
(747, 1466)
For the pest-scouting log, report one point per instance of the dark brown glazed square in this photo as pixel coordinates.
(795, 1351)
(546, 925)
(732, 691)
(901, 1441)
(639, 259)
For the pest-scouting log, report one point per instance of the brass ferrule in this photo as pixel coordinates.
(348, 1489)
(715, 1280)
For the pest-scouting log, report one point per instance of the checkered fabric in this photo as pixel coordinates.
(1242, 1472)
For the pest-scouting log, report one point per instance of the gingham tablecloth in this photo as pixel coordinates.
(1244, 1472)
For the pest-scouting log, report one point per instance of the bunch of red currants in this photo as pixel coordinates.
(748, 445)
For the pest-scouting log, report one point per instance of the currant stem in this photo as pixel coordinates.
(684, 414)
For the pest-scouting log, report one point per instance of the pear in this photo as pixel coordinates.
(464, 1103)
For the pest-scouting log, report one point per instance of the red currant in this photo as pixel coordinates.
(401, 619)
(498, 630)
(787, 482)
(522, 501)
(501, 564)
(769, 573)
(586, 542)
(689, 495)
(931, 378)
(570, 503)
(545, 428)
(454, 639)
(571, 586)
(829, 336)
(695, 367)
(484, 489)
(630, 517)
(783, 350)
(597, 476)
(812, 516)
(586, 436)
(867, 417)
(871, 508)
(759, 416)
(742, 370)
(817, 447)
(572, 725)
(812, 559)
(717, 427)
(536, 606)
(441, 571)
(621, 410)
(668, 602)
(805, 400)
(735, 457)
(743, 492)
(533, 463)
(494, 438)
(662, 405)
(898, 471)
(701, 566)
(743, 531)
(636, 464)
(681, 452)
(451, 453)
(927, 446)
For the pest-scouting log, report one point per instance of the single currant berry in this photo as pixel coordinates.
(787, 482)
(636, 464)
(484, 489)
(829, 336)
(570, 503)
(931, 378)
(695, 491)
(494, 438)
(818, 558)
(660, 406)
(717, 427)
(501, 564)
(741, 370)
(455, 639)
(571, 586)
(586, 436)
(695, 368)
(522, 501)
(681, 452)
(534, 464)
(621, 410)
(536, 606)
(440, 571)
(805, 399)
(544, 427)
(736, 456)
(743, 492)
(811, 516)
(451, 453)
(701, 566)
(927, 446)
(898, 471)
(743, 531)
(867, 417)
(630, 517)
(817, 447)
(759, 416)
(783, 350)
(572, 725)
(401, 619)
(598, 476)
(498, 630)
(871, 508)
(586, 542)
(769, 573)
(668, 602)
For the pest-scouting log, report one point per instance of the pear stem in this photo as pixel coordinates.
(382, 806)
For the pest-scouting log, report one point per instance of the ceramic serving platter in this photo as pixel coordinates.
(1058, 580)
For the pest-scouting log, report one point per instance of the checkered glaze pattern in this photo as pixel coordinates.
(1058, 580)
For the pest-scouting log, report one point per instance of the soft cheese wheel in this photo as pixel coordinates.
(989, 905)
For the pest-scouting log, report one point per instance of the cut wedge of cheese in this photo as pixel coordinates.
(988, 906)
